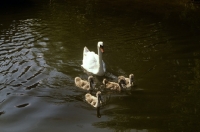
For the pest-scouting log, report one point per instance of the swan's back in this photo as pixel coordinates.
(92, 100)
(88, 97)
(127, 80)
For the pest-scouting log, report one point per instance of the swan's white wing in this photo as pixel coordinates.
(85, 51)
(89, 61)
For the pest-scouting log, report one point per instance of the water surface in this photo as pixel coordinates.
(41, 45)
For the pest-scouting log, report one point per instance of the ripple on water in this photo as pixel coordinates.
(21, 65)
(22, 68)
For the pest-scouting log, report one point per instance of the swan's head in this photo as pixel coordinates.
(100, 45)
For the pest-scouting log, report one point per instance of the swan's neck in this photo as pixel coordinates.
(100, 58)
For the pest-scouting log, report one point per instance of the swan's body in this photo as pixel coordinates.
(94, 101)
(112, 85)
(92, 62)
(128, 81)
(83, 84)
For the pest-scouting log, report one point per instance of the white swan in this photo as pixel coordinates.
(92, 62)
(86, 85)
(113, 85)
(127, 81)
(94, 101)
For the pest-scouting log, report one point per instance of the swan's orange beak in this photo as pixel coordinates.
(102, 49)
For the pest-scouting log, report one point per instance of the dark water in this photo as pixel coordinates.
(41, 45)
